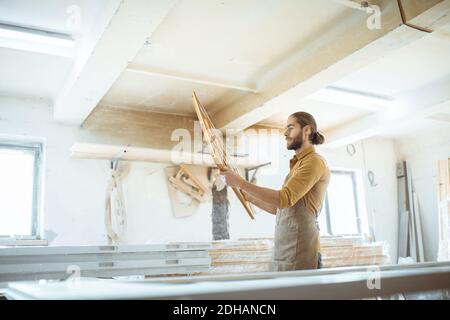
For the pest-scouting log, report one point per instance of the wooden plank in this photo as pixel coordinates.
(217, 149)
(187, 189)
(444, 209)
(256, 255)
(418, 225)
(24, 263)
(199, 175)
(403, 210)
(180, 209)
(81, 150)
(103, 249)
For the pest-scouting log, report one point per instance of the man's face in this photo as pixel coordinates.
(293, 134)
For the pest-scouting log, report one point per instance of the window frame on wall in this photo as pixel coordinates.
(36, 149)
(357, 204)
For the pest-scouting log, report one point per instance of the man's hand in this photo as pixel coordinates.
(265, 198)
(232, 179)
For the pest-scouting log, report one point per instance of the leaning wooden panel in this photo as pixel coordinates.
(181, 208)
(217, 149)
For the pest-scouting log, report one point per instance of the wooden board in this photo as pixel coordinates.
(255, 255)
(218, 152)
(81, 150)
(200, 175)
(182, 205)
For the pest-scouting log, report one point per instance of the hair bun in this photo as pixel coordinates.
(317, 138)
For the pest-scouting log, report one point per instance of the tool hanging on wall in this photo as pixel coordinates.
(115, 210)
(351, 150)
(255, 171)
(186, 182)
(252, 179)
(218, 151)
(371, 177)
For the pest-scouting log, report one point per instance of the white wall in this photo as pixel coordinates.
(74, 189)
(150, 216)
(379, 156)
(378, 203)
(422, 151)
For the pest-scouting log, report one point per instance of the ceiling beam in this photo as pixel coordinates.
(376, 124)
(130, 23)
(110, 151)
(132, 67)
(349, 98)
(342, 51)
(411, 7)
(141, 135)
(425, 102)
(132, 127)
(435, 17)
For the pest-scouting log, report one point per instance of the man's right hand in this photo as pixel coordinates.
(246, 195)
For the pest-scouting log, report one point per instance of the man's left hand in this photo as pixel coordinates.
(232, 179)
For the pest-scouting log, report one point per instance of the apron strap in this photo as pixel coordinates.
(317, 221)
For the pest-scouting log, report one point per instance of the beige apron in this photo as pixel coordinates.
(297, 239)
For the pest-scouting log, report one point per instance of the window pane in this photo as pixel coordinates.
(322, 219)
(16, 191)
(342, 204)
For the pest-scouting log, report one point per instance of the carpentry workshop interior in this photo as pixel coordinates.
(225, 149)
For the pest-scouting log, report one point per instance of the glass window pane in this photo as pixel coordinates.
(342, 204)
(16, 191)
(322, 219)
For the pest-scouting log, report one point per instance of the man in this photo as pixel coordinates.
(298, 203)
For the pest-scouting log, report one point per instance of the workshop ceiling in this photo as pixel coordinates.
(30, 70)
(251, 62)
(221, 49)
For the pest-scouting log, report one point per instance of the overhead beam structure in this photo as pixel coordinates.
(129, 26)
(346, 48)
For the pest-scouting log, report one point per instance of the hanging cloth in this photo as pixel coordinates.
(115, 211)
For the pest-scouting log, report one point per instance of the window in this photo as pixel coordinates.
(19, 189)
(341, 212)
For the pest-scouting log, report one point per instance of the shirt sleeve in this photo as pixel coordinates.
(302, 180)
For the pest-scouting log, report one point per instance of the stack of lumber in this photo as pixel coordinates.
(60, 262)
(255, 255)
(246, 255)
(346, 251)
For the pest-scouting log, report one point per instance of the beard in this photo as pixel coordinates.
(296, 143)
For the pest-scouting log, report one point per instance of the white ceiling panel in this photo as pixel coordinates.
(159, 94)
(414, 66)
(235, 40)
(327, 115)
(52, 15)
(27, 74)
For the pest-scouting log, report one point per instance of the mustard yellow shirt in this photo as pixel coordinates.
(307, 181)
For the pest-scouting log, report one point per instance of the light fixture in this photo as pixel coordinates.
(353, 98)
(37, 36)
